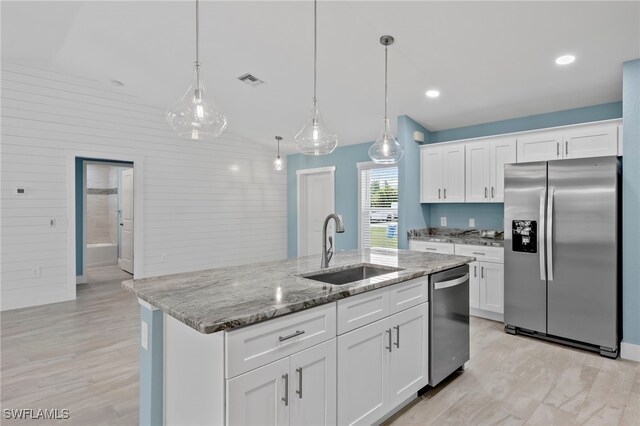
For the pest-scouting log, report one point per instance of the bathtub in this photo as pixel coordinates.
(102, 254)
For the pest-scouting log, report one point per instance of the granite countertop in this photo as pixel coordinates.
(230, 297)
(459, 236)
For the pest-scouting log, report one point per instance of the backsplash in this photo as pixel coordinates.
(486, 215)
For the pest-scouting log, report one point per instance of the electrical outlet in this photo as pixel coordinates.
(472, 222)
(164, 258)
(443, 221)
(35, 272)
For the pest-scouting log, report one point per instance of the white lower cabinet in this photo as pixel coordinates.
(381, 365)
(298, 390)
(492, 287)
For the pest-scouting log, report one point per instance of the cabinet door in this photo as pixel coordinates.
(539, 147)
(431, 163)
(474, 284)
(477, 172)
(453, 177)
(503, 151)
(409, 354)
(591, 142)
(363, 374)
(312, 385)
(492, 287)
(259, 397)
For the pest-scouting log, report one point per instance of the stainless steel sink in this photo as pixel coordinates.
(353, 274)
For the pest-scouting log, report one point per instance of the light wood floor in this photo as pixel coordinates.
(83, 356)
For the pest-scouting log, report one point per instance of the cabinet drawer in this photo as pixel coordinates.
(408, 294)
(482, 253)
(356, 311)
(446, 248)
(260, 344)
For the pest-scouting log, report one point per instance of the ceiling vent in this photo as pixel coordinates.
(251, 80)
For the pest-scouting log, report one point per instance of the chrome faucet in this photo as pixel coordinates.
(327, 254)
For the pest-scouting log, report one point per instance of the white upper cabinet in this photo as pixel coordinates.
(442, 173)
(540, 147)
(431, 166)
(453, 173)
(591, 142)
(478, 172)
(502, 151)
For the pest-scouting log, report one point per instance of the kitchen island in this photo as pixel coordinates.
(234, 345)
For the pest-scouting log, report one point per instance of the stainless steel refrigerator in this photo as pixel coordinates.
(562, 252)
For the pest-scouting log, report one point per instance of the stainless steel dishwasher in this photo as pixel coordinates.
(448, 322)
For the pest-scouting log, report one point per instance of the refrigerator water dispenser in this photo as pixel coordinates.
(524, 233)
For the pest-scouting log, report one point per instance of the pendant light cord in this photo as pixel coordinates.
(385, 83)
(315, 47)
(197, 44)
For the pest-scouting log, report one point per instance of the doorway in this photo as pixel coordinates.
(316, 200)
(104, 220)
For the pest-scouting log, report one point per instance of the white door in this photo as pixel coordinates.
(363, 374)
(477, 172)
(312, 385)
(591, 142)
(540, 147)
(503, 151)
(316, 198)
(454, 176)
(431, 163)
(492, 287)
(409, 355)
(260, 397)
(126, 250)
(474, 284)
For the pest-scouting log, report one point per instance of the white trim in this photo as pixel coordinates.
(146, 305)
(138, 210)
(368, 165)
(81, 279)
(630, 351)
(532, 131)
(301, 176)
(316, 170)
(481, 313)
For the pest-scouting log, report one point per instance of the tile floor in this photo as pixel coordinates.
(83, 356)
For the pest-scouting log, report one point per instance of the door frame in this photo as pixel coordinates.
(301, 180)
(138, 200)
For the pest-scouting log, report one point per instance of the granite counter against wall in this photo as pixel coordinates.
(476, 237)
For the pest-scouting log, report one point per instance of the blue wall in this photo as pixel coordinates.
(631, 203)
(487, 216)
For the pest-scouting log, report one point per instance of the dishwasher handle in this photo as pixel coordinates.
(450, 283)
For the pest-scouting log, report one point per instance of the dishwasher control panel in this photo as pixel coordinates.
(524, 235)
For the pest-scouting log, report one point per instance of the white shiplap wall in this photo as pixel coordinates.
(206, 203)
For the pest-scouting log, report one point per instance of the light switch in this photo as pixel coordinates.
(144, 335)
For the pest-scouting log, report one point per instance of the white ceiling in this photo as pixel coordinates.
(490, 60)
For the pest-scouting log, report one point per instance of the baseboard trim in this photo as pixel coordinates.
(486, 314)
(81, 279)
(630, 351)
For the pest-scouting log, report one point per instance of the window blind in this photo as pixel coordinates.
(378, 206)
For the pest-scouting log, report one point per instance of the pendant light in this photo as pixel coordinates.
(386, 149)
(278, 163)
(193, 116)
(314, 138)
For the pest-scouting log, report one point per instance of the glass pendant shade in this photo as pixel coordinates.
(194, 116)
(386, 149)
(314, 138)
(278, 164)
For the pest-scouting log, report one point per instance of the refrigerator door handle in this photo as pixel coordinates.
(543, 196)
(550, 236)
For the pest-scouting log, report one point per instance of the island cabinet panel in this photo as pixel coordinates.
(312, 386)
(474, 285)
(254, 346)
(259, 397)
(363, 374)
(354, 312)
(408, 294)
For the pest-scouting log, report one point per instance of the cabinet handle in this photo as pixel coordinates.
(439, 193)
(291, 336)
(285, 399)
(558, 149)
(389, 347)
(475, 271)
(299, 391)
(430, 248)
(485, 192)
(478, 252)
(566, 147)
(445, 193)
(493, 193)
(397, 327)
(482, 272)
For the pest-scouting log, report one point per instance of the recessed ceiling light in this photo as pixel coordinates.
(117, 83)
(433, 93)
(565, 59)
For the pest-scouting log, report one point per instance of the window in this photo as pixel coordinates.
(378, 198)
